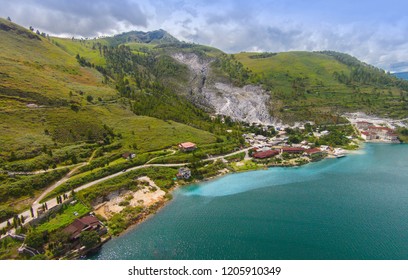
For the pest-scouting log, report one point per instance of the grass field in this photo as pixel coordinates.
(86, 48)
(64, 218)
(37, 71)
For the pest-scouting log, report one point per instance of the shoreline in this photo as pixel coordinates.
(165, 202)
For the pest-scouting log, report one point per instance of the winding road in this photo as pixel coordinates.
(53, 202)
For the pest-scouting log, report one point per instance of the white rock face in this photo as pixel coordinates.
(378, 121)
(248, 103)
(245, 104)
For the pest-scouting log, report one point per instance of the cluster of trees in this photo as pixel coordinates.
(6, 213)
(363, 73)
(201, 170)
(237, 73)
(28, 185)
(262, 55)
(260, 130)
(143, 78)
(337, 136)
(50, 158)
(58, 242)
(61, 198)
(83, 62)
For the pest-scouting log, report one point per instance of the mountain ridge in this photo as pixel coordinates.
(288, 77)
(401, 75)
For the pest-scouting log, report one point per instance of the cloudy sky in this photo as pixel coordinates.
(373, 31)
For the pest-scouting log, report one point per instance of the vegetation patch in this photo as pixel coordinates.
(65, 217)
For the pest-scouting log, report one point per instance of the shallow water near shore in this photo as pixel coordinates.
(350, 208)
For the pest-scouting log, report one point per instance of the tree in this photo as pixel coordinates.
(15, 222)
(89, 239)
(8, 18)
(35, 239)
(12, 156)
(74, 159)
(31, 29)
(59, 243)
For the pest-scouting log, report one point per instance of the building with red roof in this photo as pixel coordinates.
(363, 125)
(313, 151)
(265, 154)
(83, 224)
(187, 146)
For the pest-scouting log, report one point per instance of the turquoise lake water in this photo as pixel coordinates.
(350, 208)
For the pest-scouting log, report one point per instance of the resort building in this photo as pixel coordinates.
(363, 125)
(367, 135)
(315, 154)
(380, 130)
(369, 132)
(265, 154)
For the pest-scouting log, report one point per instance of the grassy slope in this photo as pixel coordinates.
(84, 48)
(150, 133)
(317, 67)
(38, 66)
(35, 70)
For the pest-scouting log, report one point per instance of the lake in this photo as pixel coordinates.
(350, 208)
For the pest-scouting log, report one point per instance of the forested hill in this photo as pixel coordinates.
(320, 85)
(152, 37)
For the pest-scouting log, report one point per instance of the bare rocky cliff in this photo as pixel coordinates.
(248, 103)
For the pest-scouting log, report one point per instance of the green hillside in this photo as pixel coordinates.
(319, 86)
(56, 111)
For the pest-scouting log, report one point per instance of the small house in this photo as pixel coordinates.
(83, 224)
(184, 173)
(261, 138)
(128, 155)
(187, 146)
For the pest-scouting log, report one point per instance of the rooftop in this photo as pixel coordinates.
(266, 154)
(187, 145)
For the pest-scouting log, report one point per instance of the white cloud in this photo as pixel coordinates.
(76, 17)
